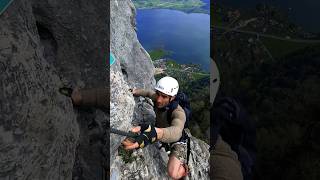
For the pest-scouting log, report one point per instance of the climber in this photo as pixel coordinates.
(165, 92)
(95, 97)
(224, 162)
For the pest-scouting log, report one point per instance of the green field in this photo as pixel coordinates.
(183, 5)
(279, 48)
(158, 54)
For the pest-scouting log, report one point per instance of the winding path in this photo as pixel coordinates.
(267, 35)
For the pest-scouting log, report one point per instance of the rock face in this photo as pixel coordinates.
(133, 68)
(132, 59)
(48, 44)
(45, 45)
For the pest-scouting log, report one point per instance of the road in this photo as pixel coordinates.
(267, 35)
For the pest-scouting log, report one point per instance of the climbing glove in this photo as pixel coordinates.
(147, 136)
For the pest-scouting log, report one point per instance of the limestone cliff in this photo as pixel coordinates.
(45, 45)
(48, 44)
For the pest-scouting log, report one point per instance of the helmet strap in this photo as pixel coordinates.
(171, 98)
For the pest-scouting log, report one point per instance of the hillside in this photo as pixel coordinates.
(277, 79)
(182, 5)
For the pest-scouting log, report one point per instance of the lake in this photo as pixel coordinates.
(187, 36)
(304, 13)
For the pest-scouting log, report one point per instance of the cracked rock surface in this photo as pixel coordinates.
(45, 45)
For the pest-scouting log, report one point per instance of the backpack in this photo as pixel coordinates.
(231, 121)
(182, 100)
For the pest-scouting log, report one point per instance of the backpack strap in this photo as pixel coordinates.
(172, 106)
(188, 148)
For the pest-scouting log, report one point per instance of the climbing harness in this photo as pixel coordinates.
(4, 4)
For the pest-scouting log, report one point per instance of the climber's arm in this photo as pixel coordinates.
(174, 132)
(145, 93)
(129, 144)
(167, 135)
(98, 97)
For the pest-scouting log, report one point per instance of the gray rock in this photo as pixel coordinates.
(38, 127)
(199, 159)
(48, 44)
(121, 110)
(132, 59)
(143, 112)
(45, 45)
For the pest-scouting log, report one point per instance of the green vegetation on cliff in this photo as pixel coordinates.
(158, 54)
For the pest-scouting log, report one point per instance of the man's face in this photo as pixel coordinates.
(162, 99)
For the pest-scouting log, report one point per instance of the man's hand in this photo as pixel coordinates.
(128, 143)
(148, 135)
(76, 96)
(134, 91)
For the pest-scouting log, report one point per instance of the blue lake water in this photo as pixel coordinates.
(304, 13)
(187, 36)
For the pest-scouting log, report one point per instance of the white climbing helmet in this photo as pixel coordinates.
(168, 85)
(214, 80)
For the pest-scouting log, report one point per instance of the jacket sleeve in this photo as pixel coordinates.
(146, 93)
(99, 97)
(225, 162)
(174, 132)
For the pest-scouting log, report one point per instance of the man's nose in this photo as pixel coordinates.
(159, 99)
